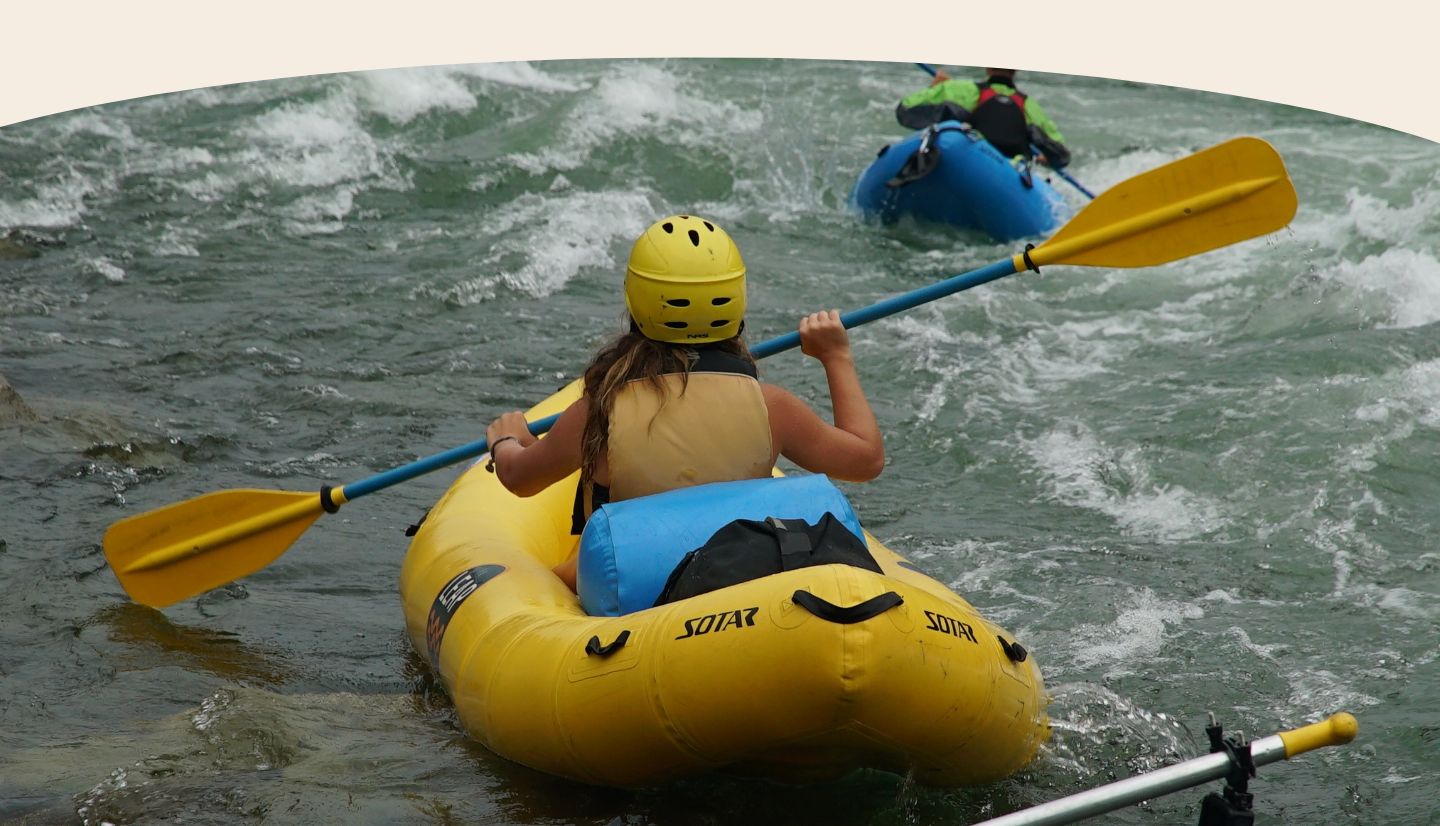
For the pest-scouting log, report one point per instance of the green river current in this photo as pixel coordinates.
(1204, 486)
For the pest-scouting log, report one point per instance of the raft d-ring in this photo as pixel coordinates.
(830, 612)
(594, 648)
(1013, 650)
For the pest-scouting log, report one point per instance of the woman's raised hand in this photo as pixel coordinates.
(823, 337)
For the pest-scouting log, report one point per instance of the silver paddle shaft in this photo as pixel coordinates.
(1132, 790)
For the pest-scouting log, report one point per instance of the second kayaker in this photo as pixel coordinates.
(1010, 120)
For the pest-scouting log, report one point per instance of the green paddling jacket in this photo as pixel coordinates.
(1009, 119)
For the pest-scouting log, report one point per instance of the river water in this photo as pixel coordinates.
(1205, 486)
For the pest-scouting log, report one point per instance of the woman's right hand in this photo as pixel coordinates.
(852, 448)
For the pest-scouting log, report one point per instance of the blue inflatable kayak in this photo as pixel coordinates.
(949, 174)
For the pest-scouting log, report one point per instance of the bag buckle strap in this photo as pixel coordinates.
(795, 547)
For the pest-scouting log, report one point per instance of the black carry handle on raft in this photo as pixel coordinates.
(1219, 196)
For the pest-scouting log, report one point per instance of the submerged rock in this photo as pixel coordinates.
(18, 243)
(12, 407)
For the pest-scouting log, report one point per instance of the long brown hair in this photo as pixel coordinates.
(626, 358)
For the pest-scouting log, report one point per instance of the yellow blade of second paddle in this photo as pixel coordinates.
(171, 553)
(1232, 191)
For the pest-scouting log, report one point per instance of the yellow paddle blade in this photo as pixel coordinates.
(1219, 196)
(178, 551)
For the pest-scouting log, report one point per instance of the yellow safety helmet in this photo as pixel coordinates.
(685, 282)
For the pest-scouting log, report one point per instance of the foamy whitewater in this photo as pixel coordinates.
(1206, 486)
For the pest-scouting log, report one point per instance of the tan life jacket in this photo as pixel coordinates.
(714, 427)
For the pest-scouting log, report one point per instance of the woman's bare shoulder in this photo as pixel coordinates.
(776, 395)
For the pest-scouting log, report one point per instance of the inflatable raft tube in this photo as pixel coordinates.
(801, 676)
(961, 180)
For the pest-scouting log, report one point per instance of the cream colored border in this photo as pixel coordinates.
(1376, 62)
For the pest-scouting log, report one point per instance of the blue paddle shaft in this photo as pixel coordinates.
(780, 344)
(405, 473)
(899, 303)
(1033, 148)
(1066, 175)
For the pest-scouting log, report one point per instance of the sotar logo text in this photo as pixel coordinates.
(744, 618)
(951, 626)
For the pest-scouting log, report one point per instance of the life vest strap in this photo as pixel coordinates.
(986, 93)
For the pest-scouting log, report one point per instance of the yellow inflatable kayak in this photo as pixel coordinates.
(800, 676)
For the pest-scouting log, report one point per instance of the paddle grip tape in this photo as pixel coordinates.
(326, 502)
(1029, 263)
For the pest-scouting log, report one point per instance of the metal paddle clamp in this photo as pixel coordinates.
(1235, 805)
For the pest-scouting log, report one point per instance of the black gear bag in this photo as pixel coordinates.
(745, 549)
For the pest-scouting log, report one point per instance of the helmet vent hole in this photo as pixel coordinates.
(676, 325)
(719, 302)
(678, 302)
(719, 322)
(709, 226)
(668, 227)
(694, 238)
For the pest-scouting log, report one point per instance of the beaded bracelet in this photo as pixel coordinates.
(490, 465)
